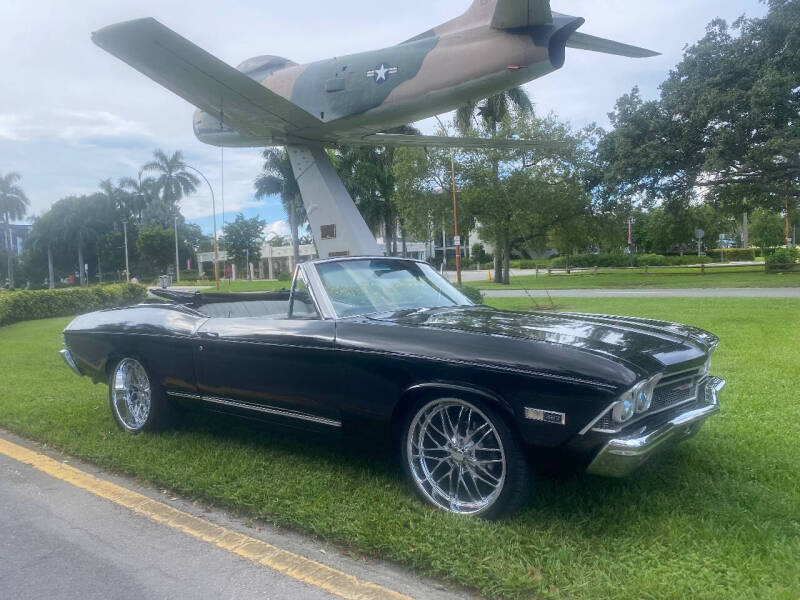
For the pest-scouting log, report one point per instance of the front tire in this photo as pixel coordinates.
(137, 403)
(462, 457)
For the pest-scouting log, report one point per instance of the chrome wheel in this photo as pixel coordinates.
(456, 456)
(131, 395)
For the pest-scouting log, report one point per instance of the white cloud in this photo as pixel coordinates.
(277, 228)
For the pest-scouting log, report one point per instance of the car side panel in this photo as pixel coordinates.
(161, 337)
(382, 364)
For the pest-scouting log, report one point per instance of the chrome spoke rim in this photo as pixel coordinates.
(456, 456)
(131, 395)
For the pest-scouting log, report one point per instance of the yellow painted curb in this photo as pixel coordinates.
(292, 565)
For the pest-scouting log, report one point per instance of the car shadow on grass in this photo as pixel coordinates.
(677, 482)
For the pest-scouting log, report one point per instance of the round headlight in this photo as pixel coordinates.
(643, 399)
(624, 410)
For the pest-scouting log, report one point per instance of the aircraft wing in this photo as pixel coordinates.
(516, 14)
(583, 41)
(202, 79)
(433, 141)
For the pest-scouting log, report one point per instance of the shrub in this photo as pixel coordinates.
(472, 293)
(284, 277)
(587, 261)
(43, 304)
(733, 254)
(783, 259)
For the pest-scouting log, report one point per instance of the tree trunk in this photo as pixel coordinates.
(293, 227)
(50, 274)
(498, 259)
(403, 241)
(745, 231)
(81, 270)
(10, 255)
(506, 261)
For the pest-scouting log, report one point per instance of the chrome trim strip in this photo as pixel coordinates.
(67, 356)
(620, 457)
(317, 291)
(183, 395)
(602, 414)
(258, 408)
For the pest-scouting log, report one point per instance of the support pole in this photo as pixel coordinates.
(455, 220)
(337, 226)
(127, 266)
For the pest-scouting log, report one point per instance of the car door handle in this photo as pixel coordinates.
(209, 334)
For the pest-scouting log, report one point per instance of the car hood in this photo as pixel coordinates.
(642, 343)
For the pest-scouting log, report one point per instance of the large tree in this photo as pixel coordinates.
(244, 239)
(725, 128)
(13, 205)
(173, 181)
(277, 179)
(142, 192)
(486, 116)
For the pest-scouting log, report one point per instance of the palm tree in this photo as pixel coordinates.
(368, 174)
(142, 192)
(44, 234)
(278, 179)
(79, 228)
(492, 111)
(173, 181)
(117, 200)
(13, 205)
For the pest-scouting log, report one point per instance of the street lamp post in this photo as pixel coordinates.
(177, 258)
(214, 212)
(127, 267)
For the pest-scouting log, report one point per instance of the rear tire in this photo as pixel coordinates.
(137, 403)
(462, 457)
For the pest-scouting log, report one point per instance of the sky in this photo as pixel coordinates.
(72, 115)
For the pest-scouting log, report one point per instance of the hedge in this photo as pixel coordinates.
(734, 254)
(43, 304)
(783, 259)
(587, 261)
(474, 294)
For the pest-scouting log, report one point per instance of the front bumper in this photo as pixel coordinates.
(67, 356)
(621, 456)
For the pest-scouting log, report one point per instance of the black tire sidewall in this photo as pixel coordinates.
(519, 480)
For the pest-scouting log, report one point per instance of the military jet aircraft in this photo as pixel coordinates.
(269, 100)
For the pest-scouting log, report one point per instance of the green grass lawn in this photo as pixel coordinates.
(658, 278)
(226, 287)
(718, 517)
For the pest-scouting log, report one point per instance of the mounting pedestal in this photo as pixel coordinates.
(337, 226)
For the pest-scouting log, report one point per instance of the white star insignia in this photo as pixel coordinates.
(381, 73)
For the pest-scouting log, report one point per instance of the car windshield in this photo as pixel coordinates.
(360, 287)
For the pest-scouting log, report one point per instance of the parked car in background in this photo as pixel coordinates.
(466, 393)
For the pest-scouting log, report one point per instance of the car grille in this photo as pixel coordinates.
(673, 390)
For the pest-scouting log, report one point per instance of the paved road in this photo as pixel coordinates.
(648, 293)
(60, 541)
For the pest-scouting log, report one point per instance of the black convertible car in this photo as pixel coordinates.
(468, 393)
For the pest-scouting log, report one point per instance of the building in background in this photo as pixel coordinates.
(19, 233)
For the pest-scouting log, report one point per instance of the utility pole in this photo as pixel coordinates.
(214, 212)
(456, 237)
(127, 267)
(177, 259)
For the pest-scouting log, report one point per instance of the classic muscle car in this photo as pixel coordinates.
(467, 393)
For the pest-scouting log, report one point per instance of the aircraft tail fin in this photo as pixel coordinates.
(516, 14)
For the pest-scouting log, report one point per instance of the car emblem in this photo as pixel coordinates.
(380, 74)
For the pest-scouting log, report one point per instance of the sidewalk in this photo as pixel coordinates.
(650, 293)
